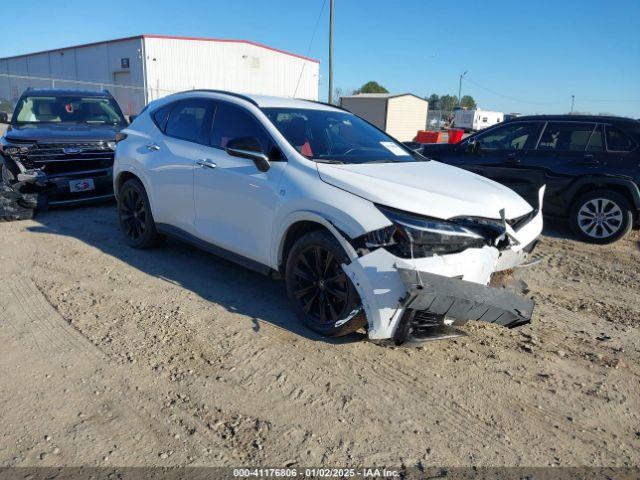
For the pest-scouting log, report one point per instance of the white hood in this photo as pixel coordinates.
(427, 188)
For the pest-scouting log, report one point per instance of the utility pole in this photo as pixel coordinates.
(330, 97)
(573, 101)
(460, 87)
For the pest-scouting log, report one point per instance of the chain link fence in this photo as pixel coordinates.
(131, 98)
(439, 119)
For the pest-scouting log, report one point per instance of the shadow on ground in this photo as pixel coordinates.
(215, 279)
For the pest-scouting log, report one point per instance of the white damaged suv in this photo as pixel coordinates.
(365, 232)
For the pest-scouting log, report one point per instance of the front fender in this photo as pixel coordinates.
(336, 229)
(602, 181)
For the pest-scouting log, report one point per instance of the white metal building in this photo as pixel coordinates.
(143, 68)
(401, 115)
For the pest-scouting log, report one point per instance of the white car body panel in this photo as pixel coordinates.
(426, 188)
(247, 212)
(232, 190)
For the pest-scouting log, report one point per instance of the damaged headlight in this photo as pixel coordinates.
(13, 150)
(418, 236)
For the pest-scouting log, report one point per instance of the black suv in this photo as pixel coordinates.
(60, 144)
(590, 165)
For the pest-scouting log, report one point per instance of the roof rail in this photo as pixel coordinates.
(224, 92)
(327, 104)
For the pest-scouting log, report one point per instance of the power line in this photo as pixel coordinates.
(580, 99)
(603, 100)
(510, 97)
(313, 35)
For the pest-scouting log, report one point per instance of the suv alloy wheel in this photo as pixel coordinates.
(134, 215)
(322, 294)
(601, 217)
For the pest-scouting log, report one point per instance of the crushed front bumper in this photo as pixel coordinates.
(453, 286)
(57, 187)
(462, 300)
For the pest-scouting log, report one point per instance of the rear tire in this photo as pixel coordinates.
(601, 217)
(135, 217)
(322, 294)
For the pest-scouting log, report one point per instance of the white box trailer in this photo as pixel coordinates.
(401, 115)
(139, 69)
(474, 120)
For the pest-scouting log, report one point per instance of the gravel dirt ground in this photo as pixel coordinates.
(112, 356)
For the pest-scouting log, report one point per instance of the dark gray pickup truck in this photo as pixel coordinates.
(60, 144)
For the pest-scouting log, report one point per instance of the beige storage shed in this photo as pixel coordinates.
(400, 115)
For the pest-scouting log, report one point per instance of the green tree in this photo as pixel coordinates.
(434, 101)
(448, 102)
(468, 102)
(372, 87)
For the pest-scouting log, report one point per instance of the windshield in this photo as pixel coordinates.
(55, 109)
(336, 137)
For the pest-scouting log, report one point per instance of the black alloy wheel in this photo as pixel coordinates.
(323, 296)
(134, 215)
(320, 284)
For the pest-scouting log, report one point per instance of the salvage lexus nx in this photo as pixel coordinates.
(365, 232)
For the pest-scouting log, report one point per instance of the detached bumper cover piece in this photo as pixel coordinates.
(463, 300)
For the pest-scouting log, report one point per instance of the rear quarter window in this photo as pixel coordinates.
(160, 115)
(618, 141)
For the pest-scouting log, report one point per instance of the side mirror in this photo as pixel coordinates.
(250, 148)
(4, 117)
(472, 145)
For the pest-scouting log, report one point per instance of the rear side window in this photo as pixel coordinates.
(514, 136)
(160, 115)
(618, 141)
(234, 122)
(566, 136)
(187, 120)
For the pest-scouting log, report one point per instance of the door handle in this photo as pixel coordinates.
(153, 147)
(589, 159)
(205, 163)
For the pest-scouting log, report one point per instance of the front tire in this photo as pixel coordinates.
(322, 294)
(601, 217)
(135, 217)
(8, 177)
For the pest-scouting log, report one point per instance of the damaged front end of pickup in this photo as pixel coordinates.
(58, 172)
(421, 277)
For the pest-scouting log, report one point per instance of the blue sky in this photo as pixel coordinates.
(522, 56)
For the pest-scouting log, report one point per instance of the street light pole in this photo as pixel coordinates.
(573, 101)
(330, 96)
(460, 87)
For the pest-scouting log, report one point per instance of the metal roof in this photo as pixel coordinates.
(383, 95)
(169, 37)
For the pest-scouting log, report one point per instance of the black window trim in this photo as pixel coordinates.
(206, 121)
(606, 142)
(252, 115)
(153, 112)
